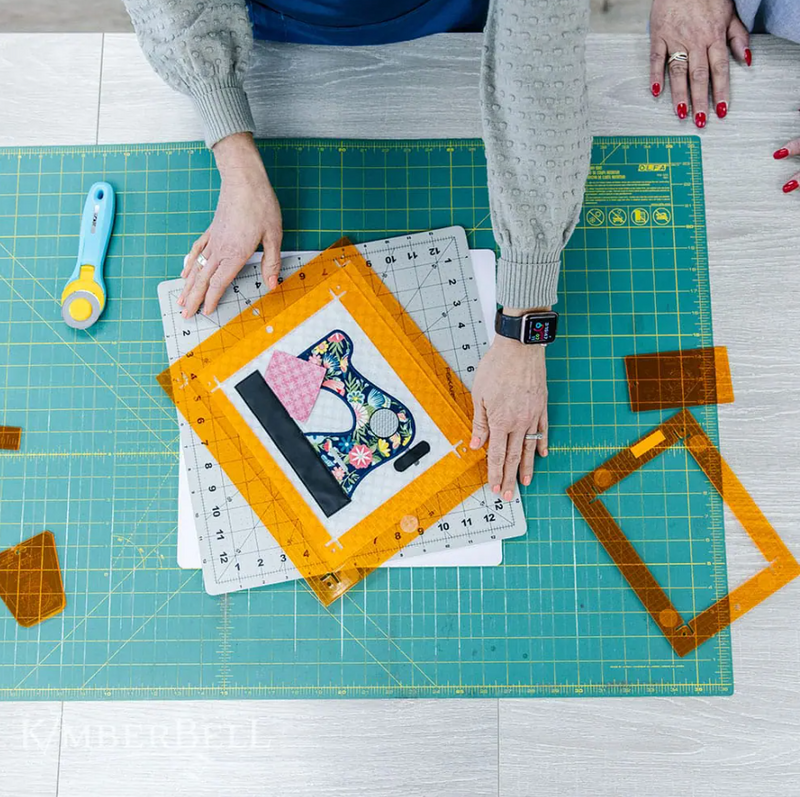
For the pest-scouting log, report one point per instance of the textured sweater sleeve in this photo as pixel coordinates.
(538, 144)
(200, 48)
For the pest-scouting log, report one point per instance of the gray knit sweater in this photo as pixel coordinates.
(533, 98)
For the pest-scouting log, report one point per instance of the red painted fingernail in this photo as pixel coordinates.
(748, 56)
(656, 89)
(781, 154)
(683, 111)
(700, 119)
(722, 109)
(792, 185)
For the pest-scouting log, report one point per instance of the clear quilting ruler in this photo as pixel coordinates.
(431, 275)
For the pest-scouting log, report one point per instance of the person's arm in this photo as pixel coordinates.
(200, 48)
(538, 147)
(538, 144)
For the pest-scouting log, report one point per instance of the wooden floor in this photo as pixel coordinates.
(98, 89)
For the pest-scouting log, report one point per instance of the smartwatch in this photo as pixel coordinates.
(537, 328)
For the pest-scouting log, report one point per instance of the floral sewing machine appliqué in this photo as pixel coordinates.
(381, 427)
(382, 453)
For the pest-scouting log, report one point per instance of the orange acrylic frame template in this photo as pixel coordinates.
(330, 566)
(684, 635)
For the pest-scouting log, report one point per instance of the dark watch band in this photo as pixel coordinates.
(531, 328)
(509, 326)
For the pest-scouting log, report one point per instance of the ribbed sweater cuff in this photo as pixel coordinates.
(528, 280)
(224, 111)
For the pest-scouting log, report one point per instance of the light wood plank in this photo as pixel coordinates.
(29, 742)
(423, 748)
(57, 16)
(714, 747)
(50, 88)
(409, 90)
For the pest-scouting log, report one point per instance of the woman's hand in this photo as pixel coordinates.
(510, 401)
(247, 215)
(702, 29)
(792, 148)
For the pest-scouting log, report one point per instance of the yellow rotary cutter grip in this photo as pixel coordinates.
(84, 297)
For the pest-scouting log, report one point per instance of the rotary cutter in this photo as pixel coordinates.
(84, 297)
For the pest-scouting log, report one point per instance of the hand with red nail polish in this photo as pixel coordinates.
(247, 216)
(510, 401)
(790, 149)
(703, 31)
(656, 89)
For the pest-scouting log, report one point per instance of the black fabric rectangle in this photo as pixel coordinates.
(412, 456)
(292, 443)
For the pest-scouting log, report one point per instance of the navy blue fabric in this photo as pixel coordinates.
(354, 22)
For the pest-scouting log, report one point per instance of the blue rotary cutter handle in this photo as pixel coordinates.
(84, 298)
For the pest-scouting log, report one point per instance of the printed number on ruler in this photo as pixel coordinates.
(431, 275)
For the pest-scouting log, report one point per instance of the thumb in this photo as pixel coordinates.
(271, 262)
(480, 426)
(739, 41)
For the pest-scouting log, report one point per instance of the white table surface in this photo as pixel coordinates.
(90, 88)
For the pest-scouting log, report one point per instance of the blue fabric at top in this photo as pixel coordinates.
(779, 17)
(354, 22)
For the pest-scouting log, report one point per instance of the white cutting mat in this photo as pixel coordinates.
(432, 276)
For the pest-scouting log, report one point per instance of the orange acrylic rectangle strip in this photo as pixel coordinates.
(684, 635)
(676, 379)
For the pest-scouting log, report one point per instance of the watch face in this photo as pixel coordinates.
(540, 327)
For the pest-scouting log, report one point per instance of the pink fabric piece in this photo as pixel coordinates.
(295, 382)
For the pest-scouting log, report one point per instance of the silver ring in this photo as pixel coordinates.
(202, 261)
(537, 436)
(679, 56)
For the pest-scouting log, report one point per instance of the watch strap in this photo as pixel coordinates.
(509, 326)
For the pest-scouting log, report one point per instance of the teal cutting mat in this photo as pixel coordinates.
(99, 459)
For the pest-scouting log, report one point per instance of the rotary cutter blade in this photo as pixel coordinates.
(84, 297)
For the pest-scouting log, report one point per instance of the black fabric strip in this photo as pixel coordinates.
(294, 446)
(412, 456)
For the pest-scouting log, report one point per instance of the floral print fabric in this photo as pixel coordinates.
(373, 439)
